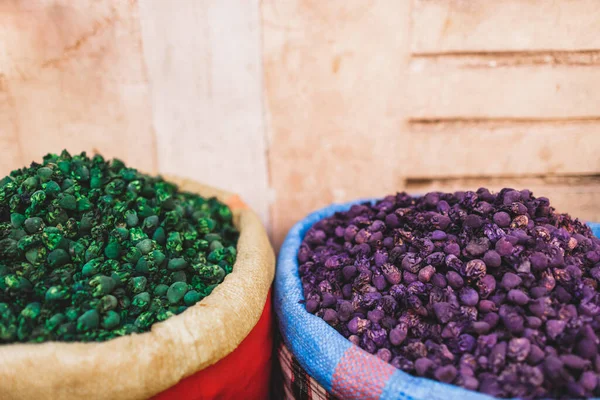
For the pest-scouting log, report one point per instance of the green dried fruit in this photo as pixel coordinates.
(91, 250)
(176, 292)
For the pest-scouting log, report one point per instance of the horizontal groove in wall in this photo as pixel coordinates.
(512, 58)
(415, 122)
(510, 53)
(545, 179)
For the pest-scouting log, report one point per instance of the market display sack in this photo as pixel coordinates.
(221, 347)
(317, 362)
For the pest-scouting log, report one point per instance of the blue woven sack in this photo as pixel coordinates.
(340, 367)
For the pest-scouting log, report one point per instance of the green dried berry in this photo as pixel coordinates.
(92, 250)
(31, 311)
(133, 255)
(159, 236)
(112, 250)
(157, 258)
(88, 321)
(52, 237)
(44, 173)
(151, 222)
(33, 224)
(51, 188)
(191, 298)
(177, 264)
(141, 300)
(131, 218)
(30, 184)
(102, 285)
(55, 321)
(36, 255)
(108, 302)
(58, 258)
(111, 320)
(144, 320)
(84, 204)
(174, 243)
(161, 290)
(137, 235)
(37, 198)
(138, 284)
(145, 246)
(179, 276)
(17, 220)
(141, 267)
(176, 292)
(91, 267)
(57, 293)
(215, 245)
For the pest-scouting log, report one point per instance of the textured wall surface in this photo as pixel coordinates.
(295, 104)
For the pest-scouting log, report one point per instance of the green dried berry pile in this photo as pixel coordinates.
(91, 250)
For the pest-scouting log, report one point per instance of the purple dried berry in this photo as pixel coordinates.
(502, 219)
(398, 334)
(474, 269)
(518, 349)
(469, 296)
(504, 247)
(492, 259)
(510, 281)
(423, 365)
(446, 373)
(517, 296)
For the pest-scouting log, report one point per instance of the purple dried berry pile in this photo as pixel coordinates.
(492, 292)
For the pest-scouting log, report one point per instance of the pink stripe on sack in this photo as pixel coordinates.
(360, 375)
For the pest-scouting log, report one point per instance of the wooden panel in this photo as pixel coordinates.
(452, 149)
(73, 78)
(507, 25)
(203, 60)
(465, 88)
(578, 196)
(332, 70)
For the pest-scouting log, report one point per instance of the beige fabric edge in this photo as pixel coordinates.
(139, 366)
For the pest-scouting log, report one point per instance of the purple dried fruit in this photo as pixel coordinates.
(492, 259)
(504, 247)
(454, 280)
(518, 349)
(517, 296)
(589, 381)
(384, 354)
(469, 296)
(423, 365)
(398, 334)
(411, 262)
(554, 328)
(474, 269)
(452, 248)
(444, 311)
(510, 281)
(445, 374)
(477, 246)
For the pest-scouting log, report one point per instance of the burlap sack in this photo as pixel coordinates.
(142, 365)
